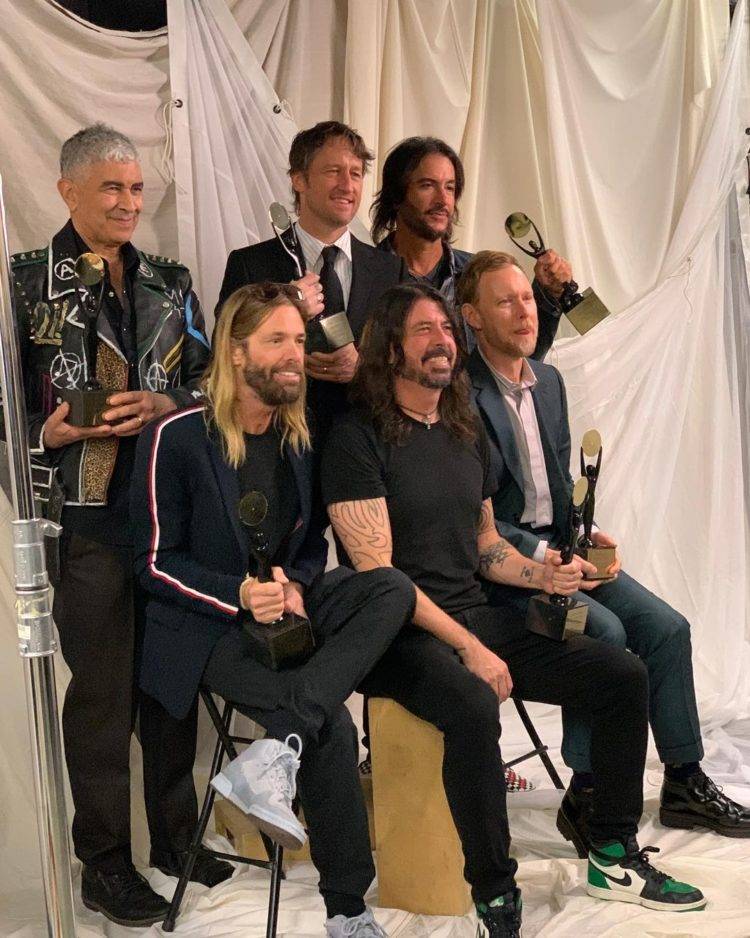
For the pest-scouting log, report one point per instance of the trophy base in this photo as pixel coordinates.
(601, 557)
(555, 621)
(282, 644)
(328, 333)
(588, 313)
(86, 407)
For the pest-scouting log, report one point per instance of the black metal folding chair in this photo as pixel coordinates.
(539, 748)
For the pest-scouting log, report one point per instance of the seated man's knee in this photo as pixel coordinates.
(393, 583)
(628, 673)
(605, 626)
(474, 711)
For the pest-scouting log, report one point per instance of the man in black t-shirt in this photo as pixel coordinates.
(408, 483)
(193, 557)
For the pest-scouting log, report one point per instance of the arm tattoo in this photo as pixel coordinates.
(365, 531)
(486, 518)
(493, 556)
(527, 573)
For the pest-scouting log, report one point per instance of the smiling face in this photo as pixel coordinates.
(270, 361)
(429, 203)
(331, 189)
(428, 345)
(105, 201)
(503, 314)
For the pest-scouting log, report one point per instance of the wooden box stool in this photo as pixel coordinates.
(417, 851)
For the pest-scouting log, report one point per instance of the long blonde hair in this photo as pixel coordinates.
(241, 315)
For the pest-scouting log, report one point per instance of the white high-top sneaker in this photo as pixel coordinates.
(261, 781)
(361, 926)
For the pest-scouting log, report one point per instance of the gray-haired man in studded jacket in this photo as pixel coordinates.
(151, 350)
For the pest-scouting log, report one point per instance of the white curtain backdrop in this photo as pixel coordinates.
(620, 129)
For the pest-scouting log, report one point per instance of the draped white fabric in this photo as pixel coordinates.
(620, 129)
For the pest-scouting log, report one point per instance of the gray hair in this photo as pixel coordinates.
(94, 144)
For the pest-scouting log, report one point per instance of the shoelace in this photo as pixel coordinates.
(713, 792)
(641, 863)
(508, 914)
(282, 768)
(361, 929)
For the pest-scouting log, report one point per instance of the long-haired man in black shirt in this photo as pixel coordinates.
(408, 483)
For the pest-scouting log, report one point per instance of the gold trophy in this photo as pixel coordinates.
(601, 557)
(89, 402)
(559, 617)
(323, 333)
(289, 640)
(584, 310)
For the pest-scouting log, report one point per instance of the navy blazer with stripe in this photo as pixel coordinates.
(551, 408)
(191, 550)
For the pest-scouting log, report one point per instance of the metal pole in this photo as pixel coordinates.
(36, 634)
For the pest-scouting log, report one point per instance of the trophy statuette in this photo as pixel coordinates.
(89, 402)
(559, 617)
(324, 333)
(584, 310)
(289, 640)
(601, 557)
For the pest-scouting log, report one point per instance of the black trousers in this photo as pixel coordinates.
(355, 617)
(609, 684)
(98, 609)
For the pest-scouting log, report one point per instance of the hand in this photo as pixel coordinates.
(293, 599)
(312, 294)
(600, 539)
(56, 432)
(487, 666)
(563, 579)
(552, 272)
(337, 366)
(134, 409)
(264, 601)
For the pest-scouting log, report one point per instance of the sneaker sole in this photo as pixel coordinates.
(569, 832)
(689, 822)
(132, 922)
(613, 895)
(266, 823)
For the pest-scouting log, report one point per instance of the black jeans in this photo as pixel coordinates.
(355, 618)
(98, 609)
(427, 677)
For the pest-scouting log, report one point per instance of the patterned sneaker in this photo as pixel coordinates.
(261, 781)
(365, 767)
(361, 926)
(502, 917)
(515, 782)
(624, 874)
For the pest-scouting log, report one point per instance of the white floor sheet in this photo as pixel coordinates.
(552, 879)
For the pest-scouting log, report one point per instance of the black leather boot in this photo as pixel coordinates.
(573, 819)
(207, 870)
(698, 802)
(123, 897)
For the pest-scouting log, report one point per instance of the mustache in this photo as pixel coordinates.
(438, 352)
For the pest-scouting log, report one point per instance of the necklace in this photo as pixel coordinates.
(423, 418)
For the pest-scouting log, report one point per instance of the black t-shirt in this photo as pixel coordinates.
(434, 486)
(266, 469)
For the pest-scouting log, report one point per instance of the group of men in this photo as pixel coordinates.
(445, 476)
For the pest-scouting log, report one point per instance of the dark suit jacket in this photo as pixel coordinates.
(373, 272)
(552, 414)
(191, 551)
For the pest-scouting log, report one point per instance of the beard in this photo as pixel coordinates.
(436, 382)
(417, 224)
(262, 381)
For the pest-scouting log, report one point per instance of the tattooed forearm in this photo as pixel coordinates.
(365, 531)
(486, 518)
(494, 556)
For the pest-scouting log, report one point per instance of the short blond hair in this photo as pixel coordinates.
(467, 287)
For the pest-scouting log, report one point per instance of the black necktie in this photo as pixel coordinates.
(329, 280)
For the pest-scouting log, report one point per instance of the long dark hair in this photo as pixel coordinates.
(397, 169)
(380, 355)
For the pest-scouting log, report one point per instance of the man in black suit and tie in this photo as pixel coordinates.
(523, 405)
(193, 557)
(327, 164)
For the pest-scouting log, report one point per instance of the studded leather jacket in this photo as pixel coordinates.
(172, 349)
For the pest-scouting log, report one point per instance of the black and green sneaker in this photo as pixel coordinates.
(624, 873)
(501, 918)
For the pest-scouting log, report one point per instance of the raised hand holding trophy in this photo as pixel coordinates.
(601, 557)
(89, 402)
(325, 333)
(584, 310)
(555, 616)
(289, 640)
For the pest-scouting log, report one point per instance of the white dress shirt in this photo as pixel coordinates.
(312, 250)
